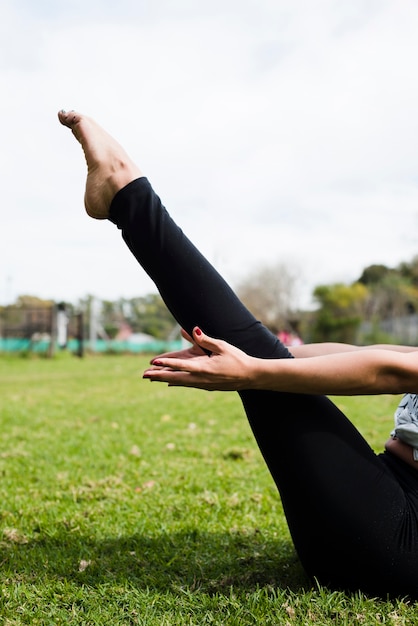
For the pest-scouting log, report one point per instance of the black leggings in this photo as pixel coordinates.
(352, 514)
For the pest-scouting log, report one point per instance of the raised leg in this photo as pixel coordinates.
(335, 491)
(343, 503)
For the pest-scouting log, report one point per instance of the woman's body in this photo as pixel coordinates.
(352, 514)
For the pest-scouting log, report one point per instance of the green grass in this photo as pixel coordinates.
(125, 502)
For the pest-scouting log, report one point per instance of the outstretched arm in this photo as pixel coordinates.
(355, 372)
(320, 349)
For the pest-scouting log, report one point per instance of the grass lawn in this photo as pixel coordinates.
(125, 502)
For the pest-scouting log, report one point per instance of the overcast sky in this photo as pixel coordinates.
(274, 131)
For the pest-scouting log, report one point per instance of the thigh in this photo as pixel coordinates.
(342, 504)
(348, 514)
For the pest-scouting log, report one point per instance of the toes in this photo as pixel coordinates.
(68, 118)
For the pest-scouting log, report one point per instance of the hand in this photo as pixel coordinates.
(187, 353)
(225, 368)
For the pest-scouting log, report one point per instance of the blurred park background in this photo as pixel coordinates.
(381, 306)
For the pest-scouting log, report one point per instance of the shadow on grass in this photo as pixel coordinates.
(211, 563)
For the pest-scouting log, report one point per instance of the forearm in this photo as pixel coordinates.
(320, 349)
(353, 372)
(307, 350)
(373, 372)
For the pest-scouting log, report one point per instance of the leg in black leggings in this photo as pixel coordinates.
(351, 519)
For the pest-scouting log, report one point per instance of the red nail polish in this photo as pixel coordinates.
(198, 332)
(156, 362)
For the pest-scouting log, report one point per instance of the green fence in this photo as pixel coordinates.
(43, 346)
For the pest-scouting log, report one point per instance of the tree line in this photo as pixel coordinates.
(378, 307)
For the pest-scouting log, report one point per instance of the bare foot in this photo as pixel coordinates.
(109, 168)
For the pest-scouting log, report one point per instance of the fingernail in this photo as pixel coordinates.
(157, 362)
(198, 331)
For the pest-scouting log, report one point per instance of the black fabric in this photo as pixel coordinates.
(350, 512)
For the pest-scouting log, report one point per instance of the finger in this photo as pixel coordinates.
(186, 335)
(166, 355)
(207, 343)
(175, 364)
(155, 372)
(187, 353)
(172, 378)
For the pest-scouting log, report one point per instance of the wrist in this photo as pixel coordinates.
(260, 375)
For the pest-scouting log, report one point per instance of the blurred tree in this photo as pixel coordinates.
(410, 270)
(145, 314)
(150, 315)
(27, 316)
(374, 274)
(340, 312)
(394, 296)
(32, 302)
(392, 292)
(270, 294)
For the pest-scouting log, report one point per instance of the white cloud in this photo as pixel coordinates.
(272, 130)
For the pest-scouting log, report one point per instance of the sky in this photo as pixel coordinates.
(275, 132)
